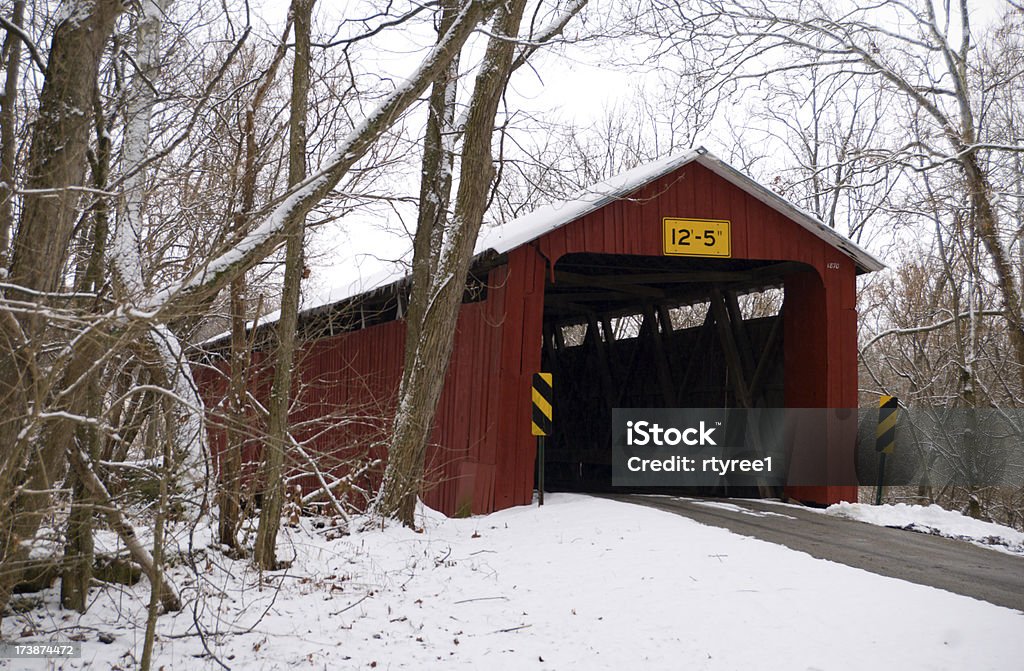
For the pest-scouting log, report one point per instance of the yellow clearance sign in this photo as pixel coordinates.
(697, 237)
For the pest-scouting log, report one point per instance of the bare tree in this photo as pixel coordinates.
(265, 553)
(89, 351)
(824, 127)
(43, 233)
(229, 492)
(444, 248)
(928, 60)
(10, 57)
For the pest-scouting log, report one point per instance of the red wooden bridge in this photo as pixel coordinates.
(591, 290)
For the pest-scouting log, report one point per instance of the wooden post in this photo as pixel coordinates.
(540, 470)
(765, 361)
(695, 356)
(543, 396)
(661, 356)
(739, 329)
(885, 441)
(607, 384)
(732, 355)
(735, 365)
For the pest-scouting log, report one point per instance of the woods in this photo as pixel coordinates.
(177, 179)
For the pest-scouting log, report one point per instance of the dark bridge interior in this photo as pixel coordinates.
(650, 332)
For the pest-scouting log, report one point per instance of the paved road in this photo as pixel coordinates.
(951, 565)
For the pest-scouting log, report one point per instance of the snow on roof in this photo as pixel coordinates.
(543, 220)
(529, 227)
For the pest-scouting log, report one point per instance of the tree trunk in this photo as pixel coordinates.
(156, 584)
(435, 196)
(229, 493)
(78, 550)
(987, 225)
(59, 143)
(435, 191)
(423, 379)
(126, 252)
(78, 547)
(280, 396)
(10, 58)
(56, 160)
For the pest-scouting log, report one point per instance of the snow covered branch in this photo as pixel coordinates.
(298, 201)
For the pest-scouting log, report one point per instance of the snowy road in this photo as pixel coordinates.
(951, 565)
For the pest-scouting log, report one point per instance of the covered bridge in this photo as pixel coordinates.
(595, 290)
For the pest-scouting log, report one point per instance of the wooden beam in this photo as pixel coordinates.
(732, 357)
(729, 349)
(607, 282)
(630, 369)
(550, 347)
(774, 270)
(661, 356)
(607, 384)
(696, 355)
(665, 319)
(559, 338)
(609, 332)
(576, 312)
(695, 294)
(765, 360)
(587, 296)
(739, 329)
(612, 351)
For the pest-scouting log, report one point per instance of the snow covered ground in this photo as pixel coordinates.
(936, 520)
(581, 583)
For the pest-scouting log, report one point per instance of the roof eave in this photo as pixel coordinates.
(864, 260)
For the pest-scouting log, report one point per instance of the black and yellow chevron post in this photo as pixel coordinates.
(885, 442)
(888, 408)
(542, 422)
(543, 399)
